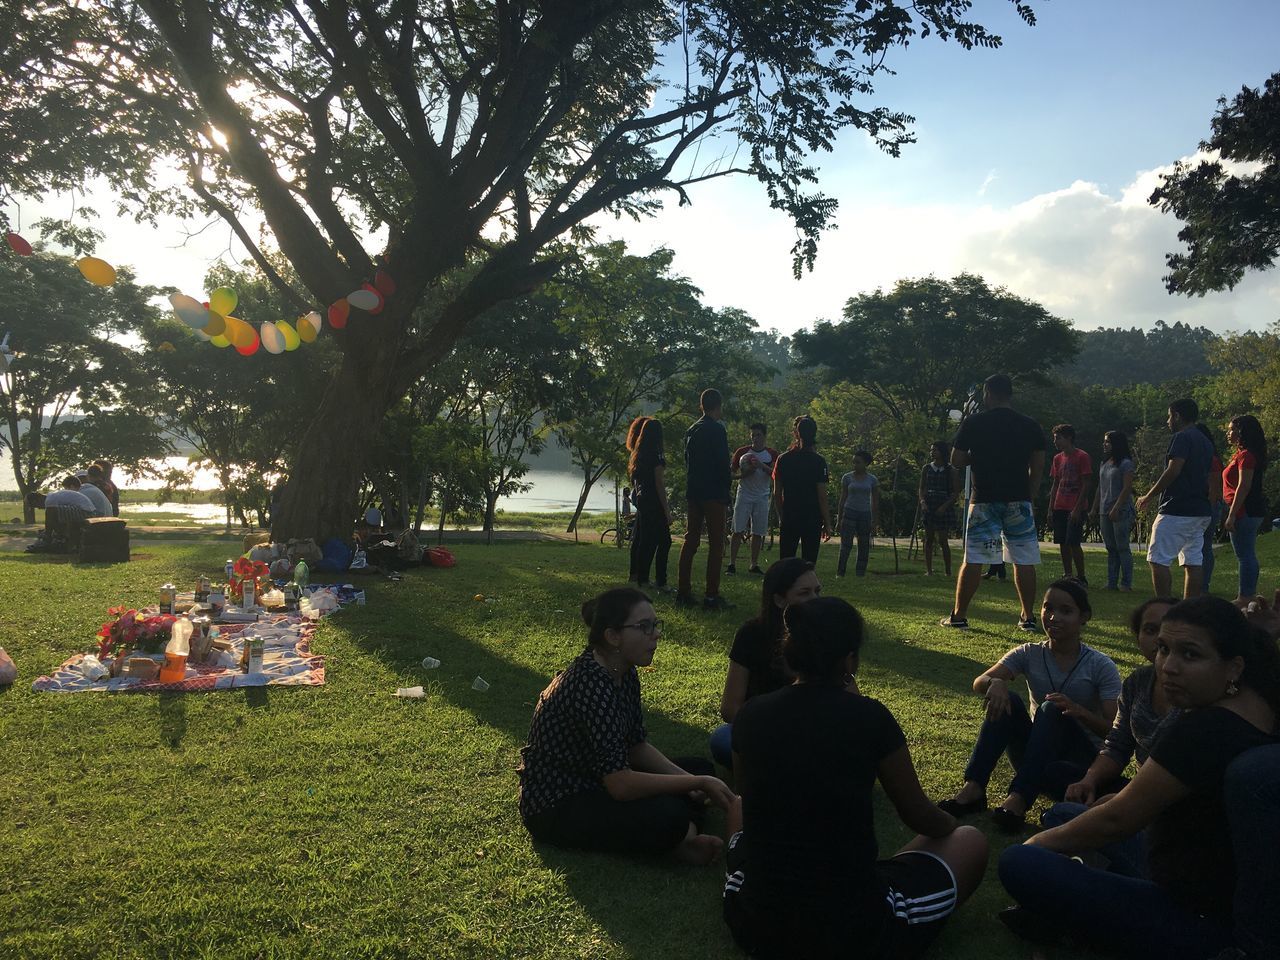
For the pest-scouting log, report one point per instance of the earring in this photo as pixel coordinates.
(848, 679)
(1232, 688)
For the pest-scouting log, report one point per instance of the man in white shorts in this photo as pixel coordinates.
(1184, 512)
(1005, 450)
(753, 466)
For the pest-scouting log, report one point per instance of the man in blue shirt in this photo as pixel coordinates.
(1184, 512)
(706, 461)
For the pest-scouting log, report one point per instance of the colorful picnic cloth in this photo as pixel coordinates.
(287, 660)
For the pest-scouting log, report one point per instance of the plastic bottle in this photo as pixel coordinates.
(176, 652)
(301, 574)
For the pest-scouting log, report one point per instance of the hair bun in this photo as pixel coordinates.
(589, 611)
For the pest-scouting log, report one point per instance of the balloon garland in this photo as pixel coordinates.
(212, 322)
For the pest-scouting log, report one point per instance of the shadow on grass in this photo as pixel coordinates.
(173, 719)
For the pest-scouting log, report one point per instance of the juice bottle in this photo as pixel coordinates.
(176, 652)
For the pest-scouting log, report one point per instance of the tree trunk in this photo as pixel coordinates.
(444, 512)
(321, 498)
(490, 509)
(588, 481)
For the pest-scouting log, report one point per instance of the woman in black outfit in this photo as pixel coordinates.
(633, 553)
(803, 878)
(589, 778)
(648, 470)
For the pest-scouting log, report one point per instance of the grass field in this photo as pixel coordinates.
(342, 822)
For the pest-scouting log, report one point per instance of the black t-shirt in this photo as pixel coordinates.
(807, 757)
(583, 728)
(798, 473)
(644, 487)
(1000, 442)
(761, 655)
(1189, 844)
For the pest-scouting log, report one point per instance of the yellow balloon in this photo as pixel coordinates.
(313, 319)
(97, 271)
(220, 341)
(306, 332)
(217, 323)
(223, 300)
(291, 337)
(239, 333)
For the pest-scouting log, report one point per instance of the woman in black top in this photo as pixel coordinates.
(755, 659)
(633, 440)
(648, 468)
(1224, 675)
(800, 491)
(589, 777)
(803, 879)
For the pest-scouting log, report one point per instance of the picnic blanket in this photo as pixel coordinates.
(287, 660)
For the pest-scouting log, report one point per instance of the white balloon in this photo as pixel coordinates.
(363, 299)
(190, 311)
(314, 319)
(272, 338)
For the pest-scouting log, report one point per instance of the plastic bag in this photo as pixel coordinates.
(439, 557)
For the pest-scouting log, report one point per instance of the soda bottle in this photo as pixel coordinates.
(301, 574)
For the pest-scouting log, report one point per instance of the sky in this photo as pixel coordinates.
(1032, 168)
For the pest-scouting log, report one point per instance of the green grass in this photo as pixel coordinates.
(341, 822)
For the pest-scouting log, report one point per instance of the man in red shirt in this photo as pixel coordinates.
(1072, 475)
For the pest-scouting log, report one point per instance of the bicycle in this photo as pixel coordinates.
(610, 535)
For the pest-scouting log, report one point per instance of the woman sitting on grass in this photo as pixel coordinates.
(1073, 692)
(1224, 674)
(803, 879)
(755, 659)
(589, 777)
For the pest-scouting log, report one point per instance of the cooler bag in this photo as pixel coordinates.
(104, 540)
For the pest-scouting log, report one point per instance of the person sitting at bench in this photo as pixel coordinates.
(64, 511)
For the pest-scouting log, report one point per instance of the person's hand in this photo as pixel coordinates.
(1114, 513)
(671, 518)
(1229, 524)
(1105, 798)
(997, 698)
(1142, 502)
(1064, 703)
(1076, 514)
(826, 533)
(714, 791)
(1082, 791)
(1261, 614)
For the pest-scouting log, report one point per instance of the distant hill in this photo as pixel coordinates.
(1116, 357)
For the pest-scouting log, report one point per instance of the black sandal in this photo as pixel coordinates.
(958, 809)
(1008, 821)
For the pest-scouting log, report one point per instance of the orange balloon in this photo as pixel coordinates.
(240, 333)
(216, 325)
(18, 245)
(382, 280)
(252, 346)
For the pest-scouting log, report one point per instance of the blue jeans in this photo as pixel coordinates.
(1253, 811)
(1115, 534)
(1124, 915)
(1128, 857)
(1031, 746)
(722, 745)
(1244, 541)
(1211, 531)
(855, 524)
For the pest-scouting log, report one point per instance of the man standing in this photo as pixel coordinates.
(1072, 474)
(800, 488)
(753, 466)
(706, 462)
(1006, 453)
(1183, 515)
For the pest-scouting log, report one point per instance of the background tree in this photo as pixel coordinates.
(1231, 217)
(470, 131)
(72, 392)
(634, 334)
(1119, 357)
(919, 348)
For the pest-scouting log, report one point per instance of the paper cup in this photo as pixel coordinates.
(480, 684)
(410, 692)
(430, 663)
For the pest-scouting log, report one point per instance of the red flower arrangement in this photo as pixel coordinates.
(133, 631)
(246, 569)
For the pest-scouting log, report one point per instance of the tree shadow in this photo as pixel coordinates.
(173, 719)
(257, 698)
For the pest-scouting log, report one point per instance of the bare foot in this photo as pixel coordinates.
(699, 850)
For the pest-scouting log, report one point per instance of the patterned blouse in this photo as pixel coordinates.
(583, 727)
(1137, 722)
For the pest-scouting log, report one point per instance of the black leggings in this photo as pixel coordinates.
(595, 821)
(806, 535)
(653, 544)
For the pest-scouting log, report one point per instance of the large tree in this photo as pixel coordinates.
(921, 346)
(461, 130)
(1230, 214)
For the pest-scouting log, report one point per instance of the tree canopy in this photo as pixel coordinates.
(464, 132)
(918, 348)
(1230, 216)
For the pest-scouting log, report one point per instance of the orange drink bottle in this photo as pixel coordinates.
(176, 652)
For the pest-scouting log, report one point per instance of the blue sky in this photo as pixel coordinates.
(1032, 168)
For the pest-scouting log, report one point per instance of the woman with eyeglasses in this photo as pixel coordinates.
(589, 778)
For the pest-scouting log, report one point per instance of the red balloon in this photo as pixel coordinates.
(18, 245)
(382, 302)
(252, 348)
(339, 310)
(382, 280)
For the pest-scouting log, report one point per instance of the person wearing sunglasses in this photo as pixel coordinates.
(589, 778)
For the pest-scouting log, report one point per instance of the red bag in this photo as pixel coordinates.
(439, 557)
